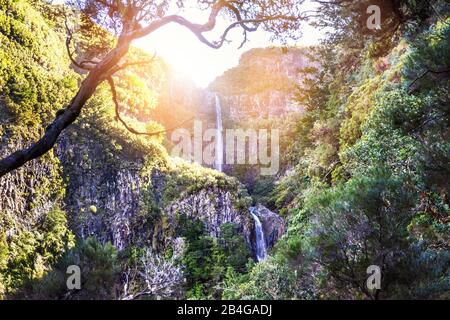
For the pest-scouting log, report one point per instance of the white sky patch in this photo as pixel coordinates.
(187, 55)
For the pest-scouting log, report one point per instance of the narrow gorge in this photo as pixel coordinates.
(124, 190)
(298, 168)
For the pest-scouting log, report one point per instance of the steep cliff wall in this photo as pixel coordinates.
(131, 197)
(99, 181)
(261, 85)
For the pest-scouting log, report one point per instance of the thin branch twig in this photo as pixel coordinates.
(130, 129)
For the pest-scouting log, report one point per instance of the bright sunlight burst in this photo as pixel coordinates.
(180, 48)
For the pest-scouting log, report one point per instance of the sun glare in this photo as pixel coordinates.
(188, 56)
(193, 59)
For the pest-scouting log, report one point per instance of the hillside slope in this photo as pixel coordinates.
(102, 193)
(262, 85)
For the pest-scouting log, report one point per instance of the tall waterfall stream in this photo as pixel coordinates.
(219, 136)
(261, 248)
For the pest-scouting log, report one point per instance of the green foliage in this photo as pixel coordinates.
(207, 259)
(56, 236)
(3, 262)
(29, 254)
(370, 169)
(186, 178)
(35, 80)
(428, 62)
(99, 268)
(232, 245)
(348, 19)
(267, 280)
(361, 223)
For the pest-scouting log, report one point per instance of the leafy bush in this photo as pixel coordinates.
(28, 255)
(359, 224)
(99, 273)
(267, 280)
(207, 259)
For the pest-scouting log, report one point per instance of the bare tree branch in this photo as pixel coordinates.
(110, 63)
(123, 122)
(440, 17)
(152, 276)
(199, 29)
(123, 66)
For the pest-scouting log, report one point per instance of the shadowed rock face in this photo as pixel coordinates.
(103, 193)
(214, 207)
(110, 199)
(262, 85)
(273, 225)
(28, 193)
(115, 189)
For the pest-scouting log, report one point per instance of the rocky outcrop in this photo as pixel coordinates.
(273, 225)
(118, 198)
(103, 191)
(214, 207)
(266, 104)
(263, 83)
(29, 192)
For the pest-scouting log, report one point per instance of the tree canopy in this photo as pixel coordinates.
(133, 19)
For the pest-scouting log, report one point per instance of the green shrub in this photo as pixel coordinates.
(99, 273)
(267, 280)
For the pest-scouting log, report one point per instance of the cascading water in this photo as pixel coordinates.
(219, 136)
(261, 249)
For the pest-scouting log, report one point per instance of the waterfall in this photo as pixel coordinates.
(219, 136)
(261, 250)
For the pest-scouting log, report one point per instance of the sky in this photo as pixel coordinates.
(188, 56)
(195, 60)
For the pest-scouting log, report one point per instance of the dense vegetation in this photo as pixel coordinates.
(37, 243)
(365, 170)
(369, 184)
(34, 82)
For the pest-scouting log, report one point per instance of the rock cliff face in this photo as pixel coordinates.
(123, 200)
(273, 225)
(214, 207)
(267, 105)
(109, 192)
(103, 193)
(28, 193)
(261, 85)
